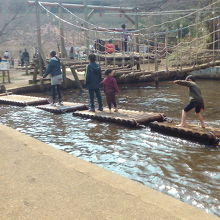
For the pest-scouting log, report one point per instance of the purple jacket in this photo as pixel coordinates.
(110, 85)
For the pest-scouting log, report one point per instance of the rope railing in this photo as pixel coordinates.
(163, 48)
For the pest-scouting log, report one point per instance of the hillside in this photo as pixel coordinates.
(21, 32)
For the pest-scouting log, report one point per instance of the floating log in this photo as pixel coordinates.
(65, 108)
(124, 117)
(69, 63)
(5, 93)
(208, 135)
(78, 66)
(22, 100)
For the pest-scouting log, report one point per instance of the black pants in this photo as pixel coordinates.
(194, 104)
(92, 93)
(56, 91)
(110, 99)
(125, 46)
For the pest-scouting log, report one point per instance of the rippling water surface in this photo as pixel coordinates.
(185, 170)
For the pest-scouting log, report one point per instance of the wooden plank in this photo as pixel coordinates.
(124, 117)
(75, 75)
(209, 135)
(65, 108)
(21, 100)
(5, 94)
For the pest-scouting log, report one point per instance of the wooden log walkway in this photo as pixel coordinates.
(65, 108)
(150, 76)
(208, 135)
(22, 100)
(124, 117)
(126, 56)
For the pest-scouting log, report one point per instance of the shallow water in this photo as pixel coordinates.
(185, 170)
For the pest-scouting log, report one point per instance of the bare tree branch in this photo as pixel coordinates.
(7, 24)
(2, 31)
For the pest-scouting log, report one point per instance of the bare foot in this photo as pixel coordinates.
(203, 126)
(110, 111)
(116, 110)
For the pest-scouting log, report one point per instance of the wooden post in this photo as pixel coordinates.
(86, 26)
(156, 55)
(181, 35)
(156, 64)
(114, 53)
(136, 26)
(132, 47)
(64, 76)
(26, 68)
(190, 48)
(166, 45)
(76, 78)
(35, 71)
(62, 39)
(149, 51)
(213, 48)
(3, 76)
(197, 35)
(177, 52)
(39, 44)
(9, 79)
(218, 37)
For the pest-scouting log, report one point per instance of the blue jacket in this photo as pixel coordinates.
(53, 68)
(93, 76)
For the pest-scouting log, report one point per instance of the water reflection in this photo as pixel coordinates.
(185, 170)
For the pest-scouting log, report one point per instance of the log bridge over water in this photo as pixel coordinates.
(131, 118)
(124, 74)
(209, 135)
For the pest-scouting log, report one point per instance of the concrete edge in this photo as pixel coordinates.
(177, 208)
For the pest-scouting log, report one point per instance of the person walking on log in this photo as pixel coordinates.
(54, 69)
(196, 100)
(93, 80)
(110, 89)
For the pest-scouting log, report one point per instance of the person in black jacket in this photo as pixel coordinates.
(93, 80)
(25, 58)
(54, 69)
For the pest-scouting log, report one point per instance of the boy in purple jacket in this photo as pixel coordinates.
(110, 89)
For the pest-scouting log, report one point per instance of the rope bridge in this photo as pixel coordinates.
(170, 45)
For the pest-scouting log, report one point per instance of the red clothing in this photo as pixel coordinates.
(110, 48)
(110, 85)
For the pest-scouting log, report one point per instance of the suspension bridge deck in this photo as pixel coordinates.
(65, 108)
(124, 117)
(126, 56)
(22, 100)
(209, 135)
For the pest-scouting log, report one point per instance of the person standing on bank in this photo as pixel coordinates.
(110, 87)
(124, 38)
(25, 58)
(93, 80)
(196, 100)
(54, 70)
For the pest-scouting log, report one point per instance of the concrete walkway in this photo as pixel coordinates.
(40, 182)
